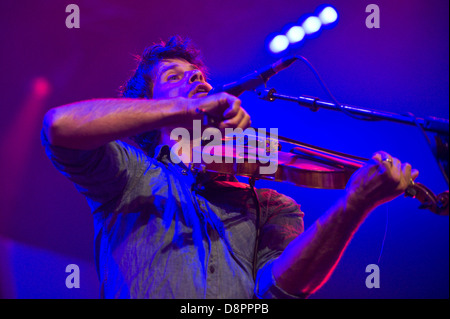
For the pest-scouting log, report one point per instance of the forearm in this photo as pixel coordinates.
(308, 261)
(92, 123)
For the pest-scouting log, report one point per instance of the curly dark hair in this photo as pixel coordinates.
(140, 85)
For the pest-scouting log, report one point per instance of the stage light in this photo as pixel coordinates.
(328, 15)
(295, 34)
(279, 43)
(311, 25)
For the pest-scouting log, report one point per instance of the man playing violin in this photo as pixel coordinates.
(162, 231)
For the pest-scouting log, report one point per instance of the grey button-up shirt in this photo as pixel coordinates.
(158, 236)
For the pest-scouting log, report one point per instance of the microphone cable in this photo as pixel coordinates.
(327, 90)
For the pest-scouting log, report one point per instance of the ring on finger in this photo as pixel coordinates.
(387, 159)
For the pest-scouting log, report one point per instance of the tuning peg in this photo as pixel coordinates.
(410, 191)
(425, 206)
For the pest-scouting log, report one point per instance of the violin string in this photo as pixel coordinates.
(385, 233)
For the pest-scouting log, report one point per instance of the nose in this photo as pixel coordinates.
(196, 75)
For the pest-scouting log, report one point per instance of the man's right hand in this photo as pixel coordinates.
(224, 108)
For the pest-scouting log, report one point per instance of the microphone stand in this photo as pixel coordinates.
(438, 126)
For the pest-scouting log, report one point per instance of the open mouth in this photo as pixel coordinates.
(200, 94)
(200, 90)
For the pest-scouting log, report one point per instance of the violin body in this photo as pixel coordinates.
(290, 168)
(304, 166)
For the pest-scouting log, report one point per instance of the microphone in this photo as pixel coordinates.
(251, 81)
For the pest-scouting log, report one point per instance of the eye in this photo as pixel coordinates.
(173, 77)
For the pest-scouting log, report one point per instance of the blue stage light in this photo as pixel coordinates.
(311, 25)
(279, 43)
(328, 15)
(295, 34)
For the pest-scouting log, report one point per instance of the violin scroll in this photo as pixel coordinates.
(437, 204)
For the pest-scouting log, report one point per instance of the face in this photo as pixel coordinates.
(178, 78)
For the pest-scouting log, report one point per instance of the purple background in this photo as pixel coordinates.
(401, 67)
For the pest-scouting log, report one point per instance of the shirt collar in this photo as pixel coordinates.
(164, 154)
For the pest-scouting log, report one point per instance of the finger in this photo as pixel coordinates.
(216, 107)
(406, 174)
(395, 170)
(388, 161)
(376, 157)
(233, 110)
(379, 159)
(409, 172)
(382, 156)
(396, 164)
(414, 174)
(211, 105)
(406, 169)
(233, 122)
(245, 122)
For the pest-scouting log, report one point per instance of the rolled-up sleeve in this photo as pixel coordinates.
(282, 222)
(100, 174)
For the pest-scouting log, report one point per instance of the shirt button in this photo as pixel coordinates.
(212, 269)
(184, 172)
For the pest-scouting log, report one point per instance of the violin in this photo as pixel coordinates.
(303, 165)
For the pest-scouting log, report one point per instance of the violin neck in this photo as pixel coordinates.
(320, 149)
(328, 157)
